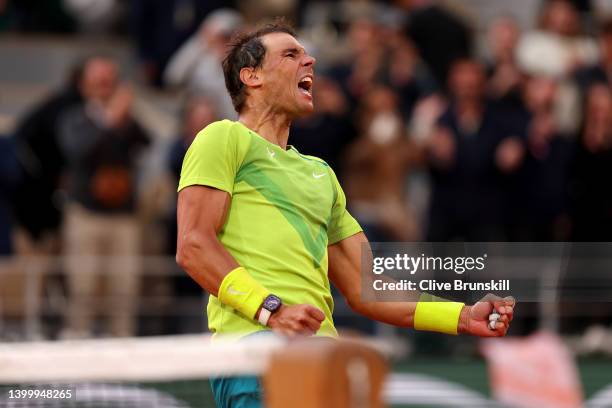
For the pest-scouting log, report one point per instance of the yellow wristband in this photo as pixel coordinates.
(437, 314)
(240, 291)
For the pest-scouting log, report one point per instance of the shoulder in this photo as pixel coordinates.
(218, 128)
(221, 132)
(223, 140)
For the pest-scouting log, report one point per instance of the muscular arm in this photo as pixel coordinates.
(344, 272)
(201, 213)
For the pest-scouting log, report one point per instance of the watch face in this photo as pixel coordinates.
(272, 303)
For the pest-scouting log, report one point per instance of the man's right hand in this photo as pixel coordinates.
(296, 320)
(474, 319)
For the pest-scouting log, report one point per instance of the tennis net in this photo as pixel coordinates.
(164, 372)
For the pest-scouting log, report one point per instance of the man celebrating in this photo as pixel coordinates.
(264, 228)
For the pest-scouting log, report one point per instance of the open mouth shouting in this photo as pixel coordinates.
(305, 85)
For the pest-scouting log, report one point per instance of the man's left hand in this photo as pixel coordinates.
(474, 319)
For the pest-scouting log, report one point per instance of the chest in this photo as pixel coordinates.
(296, 185)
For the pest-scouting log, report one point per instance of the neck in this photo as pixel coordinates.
(269, 124)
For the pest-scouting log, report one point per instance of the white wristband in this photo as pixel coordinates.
(264, 316)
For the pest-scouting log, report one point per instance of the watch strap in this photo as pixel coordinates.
(264, 316)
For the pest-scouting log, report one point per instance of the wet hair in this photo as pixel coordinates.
(247, 51)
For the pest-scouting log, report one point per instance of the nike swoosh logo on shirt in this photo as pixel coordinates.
(317, 175)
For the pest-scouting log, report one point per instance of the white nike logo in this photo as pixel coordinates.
(233, 291)
(270, 152)
(317, 175)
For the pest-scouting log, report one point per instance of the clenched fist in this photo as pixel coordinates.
(474, 319)
(295, 320)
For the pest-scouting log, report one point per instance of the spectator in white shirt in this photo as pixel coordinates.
(197, 64)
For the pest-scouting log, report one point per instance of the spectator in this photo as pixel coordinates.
(467, 196)
(326, 133)
(600, 71)
(407, 74)
(161, 26)
(198, 112)
(363, 66)
(557, 47)
(502, 68)
(376, 168)
(36, 206)
(100, 141)
(591, 198)
(197, 64)
(439, 36)
(382, 55)
(539, 199)
(93, 15)
(10, 173)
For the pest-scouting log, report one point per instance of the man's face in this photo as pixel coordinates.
(467, 80)
(540, 92)
(562, 18)
(99, 79)
(503, 36)
(287, 75)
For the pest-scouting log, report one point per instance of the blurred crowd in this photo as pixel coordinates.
(437, 131)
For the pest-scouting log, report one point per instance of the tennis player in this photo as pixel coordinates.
(264, 228)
